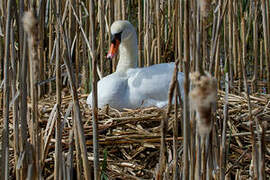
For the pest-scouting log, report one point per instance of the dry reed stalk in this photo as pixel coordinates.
(262, 174)
(75, 33)
(84, 57)
(123, 8)
(78, 162)
(158, 31)
(101, 34)
(5, 130)
(223, 157)
(261, 60)
(175, 126)
(94, 92)
(230, 42)
(50, 48)
(179, 34)
(15, 102)
(235, 39)
(164, 125)
(147, 34)
(266, 43)
(48, 132)
(31, 27)
(214, 26)
(222, 11)
(140, 63)
(186, 90)
(217, 64)
(58, 135)
(255, 48)
(23, 109)
(199, 26)
(41, 47)
(239, 64)
(162, 155)
(175, 26)
(20, 28)
(70, 155)
(118, 10)
(77, 113)
(110, 19)
(251, 120)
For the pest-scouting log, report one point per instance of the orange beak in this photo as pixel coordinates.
(113, 49)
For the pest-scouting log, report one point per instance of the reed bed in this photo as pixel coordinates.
(130, 140)
(53, 57)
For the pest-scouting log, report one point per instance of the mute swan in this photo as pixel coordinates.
(129, 86)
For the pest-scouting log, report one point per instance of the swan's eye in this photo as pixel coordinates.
(116, 36)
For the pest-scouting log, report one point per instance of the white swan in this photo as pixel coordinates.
(132, 87)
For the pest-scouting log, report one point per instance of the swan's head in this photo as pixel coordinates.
(122, 31)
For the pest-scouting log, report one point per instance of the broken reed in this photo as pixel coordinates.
(215, 43)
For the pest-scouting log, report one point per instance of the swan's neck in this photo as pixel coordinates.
(128, 54)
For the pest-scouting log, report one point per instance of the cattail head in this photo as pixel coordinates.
(205, 6)
(29, 21)
(202, 97)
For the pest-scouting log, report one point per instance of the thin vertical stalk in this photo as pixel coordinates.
(179, 34)
(75, 30)
(230, 52)
(158, 31)
(84, 55)
(101, 34)
(110, 20)
(32, 31)
(118, 10)
(262, 173)
(261, 60)
(140, 33)
(15, 104)
(123, 9)
(175, 133)
(217, 67)
(94, 92)
(50, 19)
(21, 33)
(147, 45)
(239, 65)
(41, 53)
(255, 47)
(198, 60)
(70, 155)
(79, 163)
(77, 119)
(251, 120)
(219, 22)
(5, 131)
(23, 109)
(186, 90)
(224, 126)
(266, 43)
(58, 144)
(235, 35)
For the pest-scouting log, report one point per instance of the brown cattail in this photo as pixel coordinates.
(205, 6)
(202, 97)
(29, 22)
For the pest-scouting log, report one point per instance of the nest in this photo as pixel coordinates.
(129, 141)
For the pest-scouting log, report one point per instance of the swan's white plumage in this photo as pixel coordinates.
(131, 87)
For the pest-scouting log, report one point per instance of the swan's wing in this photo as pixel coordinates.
(152, 82)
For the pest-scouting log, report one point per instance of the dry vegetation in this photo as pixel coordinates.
(49, 65)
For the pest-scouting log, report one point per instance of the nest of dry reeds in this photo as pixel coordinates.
(129, 141)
